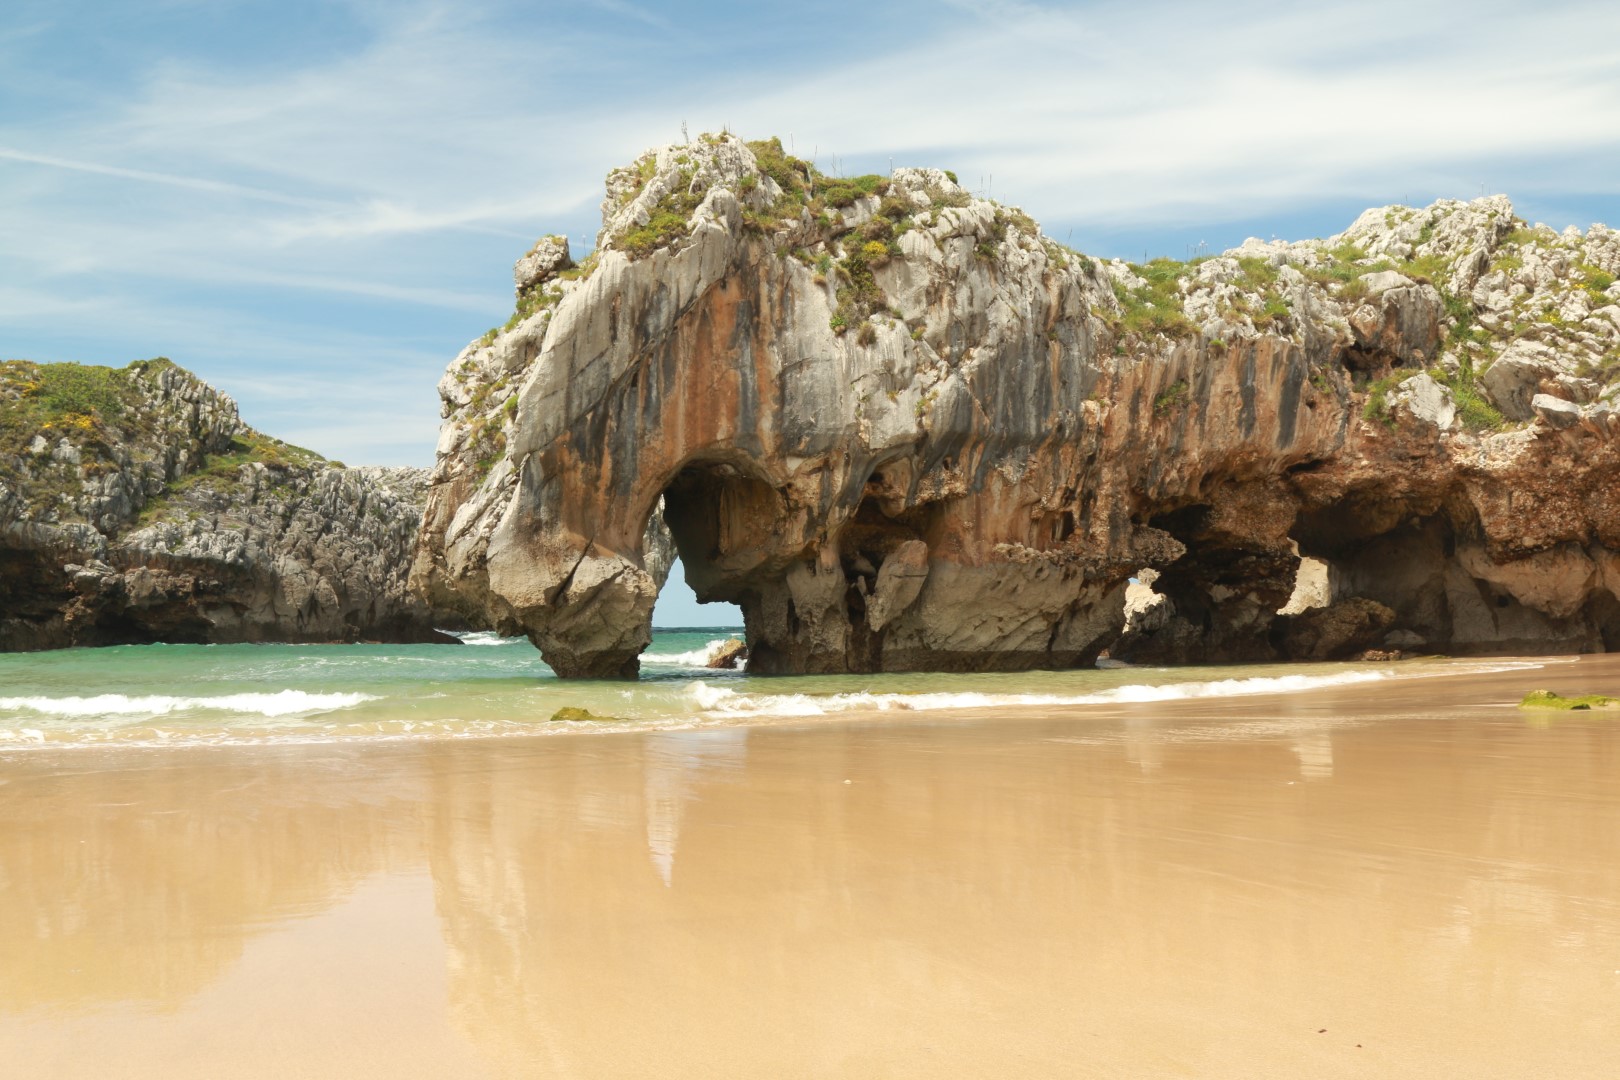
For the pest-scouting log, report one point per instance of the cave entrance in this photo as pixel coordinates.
(1216, 603)
(870, 540)
(809, 603)
(722, 522)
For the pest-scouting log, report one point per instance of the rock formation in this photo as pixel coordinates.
(903, 430)
(731, 655)
(135, 506)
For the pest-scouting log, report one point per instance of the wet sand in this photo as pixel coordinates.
(1406, 879)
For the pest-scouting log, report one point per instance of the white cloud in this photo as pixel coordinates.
(1135, 114)
(411, 168)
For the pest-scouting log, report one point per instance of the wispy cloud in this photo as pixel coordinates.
(326, 194)
(633, 11)
(193, 183)
(1224, 111)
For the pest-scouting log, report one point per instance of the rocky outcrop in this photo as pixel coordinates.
(730, 655)
(903, 430)
(1336, 631)
(135, 506)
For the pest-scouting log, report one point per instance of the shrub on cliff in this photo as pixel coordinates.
(841, 193)
(793, 175)
(39, 399)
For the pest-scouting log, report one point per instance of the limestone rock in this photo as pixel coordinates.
(904, 430)
(576, 715)
(730, 655)
(158, 516)
(541, 263)
(899, 581)
(1146, 611)
(1337, 631)
(1313, 587)
(1427, 401)
(1516, 377)
(1556, 411)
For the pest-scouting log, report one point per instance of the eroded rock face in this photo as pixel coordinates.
(902, 430)
(157, 515)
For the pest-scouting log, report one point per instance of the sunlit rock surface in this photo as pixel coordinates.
(135, 507)
(903, 430)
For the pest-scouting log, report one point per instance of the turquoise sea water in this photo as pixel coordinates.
(168, 695)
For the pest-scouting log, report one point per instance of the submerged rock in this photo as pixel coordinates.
(574, 714)
(135, 506)
(903, 430)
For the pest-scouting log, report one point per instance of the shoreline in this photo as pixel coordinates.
(835, 708)
(1407, 878)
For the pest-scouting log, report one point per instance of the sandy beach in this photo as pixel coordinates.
(1406, 879)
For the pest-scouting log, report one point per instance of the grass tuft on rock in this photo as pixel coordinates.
(1155, 307)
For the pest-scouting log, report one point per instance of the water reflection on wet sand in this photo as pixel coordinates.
(1401, 880)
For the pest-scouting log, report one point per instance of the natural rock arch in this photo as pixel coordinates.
(902, 430)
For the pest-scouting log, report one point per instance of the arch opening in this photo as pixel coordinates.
(724, 527)
(722, 517)
(810, 601)
(678, 607)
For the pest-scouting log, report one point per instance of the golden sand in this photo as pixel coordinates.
(1412, 879)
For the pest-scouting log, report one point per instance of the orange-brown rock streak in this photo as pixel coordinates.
(809, 379)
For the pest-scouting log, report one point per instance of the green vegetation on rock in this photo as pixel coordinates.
(859, 295)
(574, 713)
(1473, 408)
(222, 473)
(1155, 306)
(1546, 699)
(842, 193)
(669, 221)
(1376, 407)
(1173, 396)
(57, 399)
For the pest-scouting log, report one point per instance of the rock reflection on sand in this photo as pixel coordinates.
(142, 883)
(1127, 889)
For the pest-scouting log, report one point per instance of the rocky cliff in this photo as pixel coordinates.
(904, 430)
(135, 506)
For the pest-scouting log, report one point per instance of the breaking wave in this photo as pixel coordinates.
(121, 706)
(697, 658)
(721, 701)
(489, 637)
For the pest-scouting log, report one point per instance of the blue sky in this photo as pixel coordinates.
(315, 205)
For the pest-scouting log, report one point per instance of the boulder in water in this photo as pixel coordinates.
(575, 714)
(730, 655)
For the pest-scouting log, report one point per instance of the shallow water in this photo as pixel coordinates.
(1401, 878)
(170, 695)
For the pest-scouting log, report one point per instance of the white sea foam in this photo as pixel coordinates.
(120, 706)
(488, 637)
(309, 733)
(697, 658)
(722, 701)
